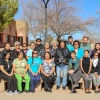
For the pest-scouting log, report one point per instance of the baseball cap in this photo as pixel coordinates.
(38, 39)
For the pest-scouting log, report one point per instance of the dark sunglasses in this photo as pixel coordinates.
(24, 46)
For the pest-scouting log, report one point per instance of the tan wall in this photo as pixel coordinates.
(10, 30)
(22, 29)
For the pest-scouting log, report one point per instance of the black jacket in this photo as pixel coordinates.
(14, 54)
(39, 47)
(65, 53)
(2, 53)
(97, 68)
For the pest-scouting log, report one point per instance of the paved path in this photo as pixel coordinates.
(55, 95)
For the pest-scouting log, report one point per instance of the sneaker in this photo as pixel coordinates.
(27, 91)
(15, 92)
(57, 87)
(32, 91)
(9, 93)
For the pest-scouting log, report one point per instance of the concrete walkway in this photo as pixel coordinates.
(55, 95)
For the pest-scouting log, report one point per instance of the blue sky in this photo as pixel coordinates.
(88, 8)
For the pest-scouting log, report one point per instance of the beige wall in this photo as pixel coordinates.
(22, 29)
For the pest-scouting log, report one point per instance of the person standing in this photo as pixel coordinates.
(47, 48)
(32, 48)
(54, 46)
(39, 46)
(96, 49)
(16, 50)
(96, 71)
(70, 44)
(25, 48)
(86, 45)
(86, 66)
(78, 50)
(62, 57)
(34, 63)
(6, 49)
(74, 71)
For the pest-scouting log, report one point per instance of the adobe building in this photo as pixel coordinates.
(17, 31)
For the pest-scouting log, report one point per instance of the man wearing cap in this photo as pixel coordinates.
(17, 49)
(39, 46)
(70, 44)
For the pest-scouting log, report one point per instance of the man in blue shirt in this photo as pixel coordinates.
(70, 44)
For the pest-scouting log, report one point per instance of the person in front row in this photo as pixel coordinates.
(20, 69)
(62, 57)
(47, 72)
(96, 71)
(34, 63)
(6, 73)
(86, 66)
(74, 71)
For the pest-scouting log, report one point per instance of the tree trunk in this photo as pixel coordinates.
(58, 38)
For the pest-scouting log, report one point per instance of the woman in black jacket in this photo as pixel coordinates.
(96, 71)
(62, 57)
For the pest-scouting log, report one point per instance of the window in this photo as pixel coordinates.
(7, 38)
(20, 39)
(12, 39)
(0, 37)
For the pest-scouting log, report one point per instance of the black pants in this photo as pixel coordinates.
(11, 82)
(48, 81)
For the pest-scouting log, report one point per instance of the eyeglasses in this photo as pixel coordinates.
(75, 44)
(18, 45)
(35, 53)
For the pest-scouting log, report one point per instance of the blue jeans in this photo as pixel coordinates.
(64, 69)
(34, 80)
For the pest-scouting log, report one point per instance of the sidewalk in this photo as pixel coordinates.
(55, 95)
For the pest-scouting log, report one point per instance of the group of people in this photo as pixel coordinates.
(74, 60)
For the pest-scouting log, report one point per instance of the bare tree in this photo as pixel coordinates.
(62, 19)
(33, 17)
(93, 30)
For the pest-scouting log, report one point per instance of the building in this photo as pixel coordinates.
(16, 31)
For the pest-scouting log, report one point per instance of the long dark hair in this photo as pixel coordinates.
(61, 42)
(18, 53)
(77, 42)
(95, 46)
(32, 55)
(49, 55)
(5, 54)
